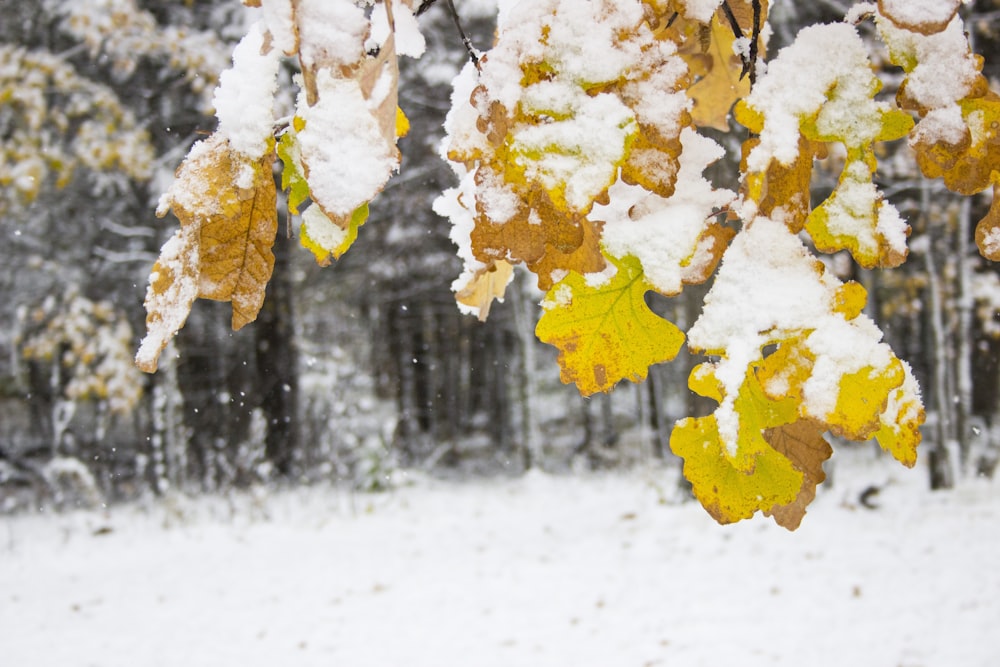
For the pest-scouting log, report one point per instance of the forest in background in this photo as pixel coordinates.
(358, 368)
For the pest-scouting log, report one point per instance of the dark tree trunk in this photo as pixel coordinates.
(277, 366)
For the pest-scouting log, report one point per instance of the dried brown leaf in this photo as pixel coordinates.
(802, 443)
(486, 286)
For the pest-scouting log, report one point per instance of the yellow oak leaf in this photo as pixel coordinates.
(803, 375)
(856, 218)
(988, 229)
(606, 333)
(900, 421)
(728, 493)
(778, 456)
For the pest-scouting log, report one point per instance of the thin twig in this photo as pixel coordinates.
(754, 38)
(424, 6)
(733, 23)
(749, 59)
(473, 54)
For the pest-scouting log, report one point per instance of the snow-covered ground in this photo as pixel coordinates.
(550, 571)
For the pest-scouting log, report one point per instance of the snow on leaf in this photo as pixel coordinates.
(348, 107)
(677, 239)
(606, 333)
(826, 364)
(899, 433)
(173, 288)
(245, 96)
(549, 122)
(230, 200)
(856, 218)
(822, 89)
(958, 135)
(292, 177)
(923, 16)
(345, 156)
(324, 238)
(758, 477)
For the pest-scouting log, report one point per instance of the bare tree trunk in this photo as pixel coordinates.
(941, 472)
(524, 318)
(657, 419)
(963, 408)
(278, 366)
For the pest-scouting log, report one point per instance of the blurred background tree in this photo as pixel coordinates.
(366, 365)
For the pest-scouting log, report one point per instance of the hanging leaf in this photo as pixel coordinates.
(827, 370)
(802, 443)
(293, 178)
(228, 202)
(324, 238)
(836, 104)
(606, 333)
(484, 287)
(734, 484)
(348, 110)
(173, 288)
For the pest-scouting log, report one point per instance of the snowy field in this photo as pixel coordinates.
(595, 570)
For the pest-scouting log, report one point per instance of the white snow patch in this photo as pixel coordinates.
(587, 571)
(826, 68)
(409, 40)
(344, 152)
(332, 33)
(663, 233)
(922, 13)
(244, 100)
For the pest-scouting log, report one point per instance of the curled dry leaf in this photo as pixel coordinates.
(226, 204)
